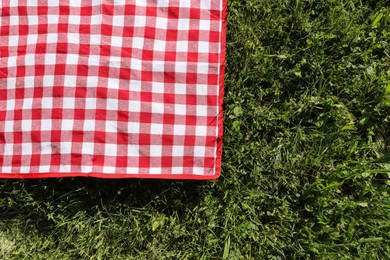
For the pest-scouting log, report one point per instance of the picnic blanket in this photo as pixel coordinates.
(111, 88)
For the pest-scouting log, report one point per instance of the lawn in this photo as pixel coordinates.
(307, 110)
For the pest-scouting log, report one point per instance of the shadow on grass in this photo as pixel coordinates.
(37, 201)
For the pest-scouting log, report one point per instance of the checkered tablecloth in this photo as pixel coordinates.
(111, 88)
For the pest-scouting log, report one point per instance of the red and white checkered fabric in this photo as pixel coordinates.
(111, 88)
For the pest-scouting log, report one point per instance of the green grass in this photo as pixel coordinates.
(307, 108)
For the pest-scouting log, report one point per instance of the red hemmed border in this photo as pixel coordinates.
(106, 176)
(156, 176)
(221, 91)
